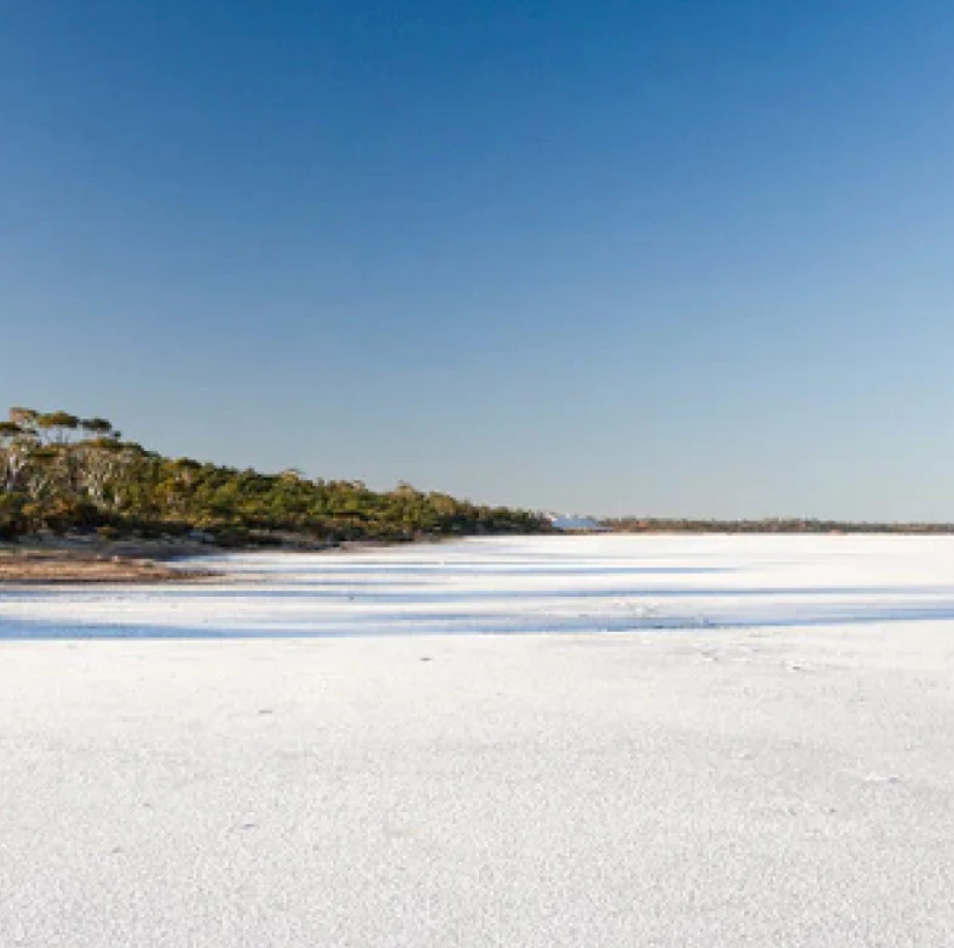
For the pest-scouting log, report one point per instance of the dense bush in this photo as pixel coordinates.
(60, 472)
(13, 523)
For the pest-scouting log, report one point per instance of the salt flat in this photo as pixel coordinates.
(673, 741)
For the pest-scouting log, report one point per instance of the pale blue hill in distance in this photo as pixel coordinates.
(574, 522)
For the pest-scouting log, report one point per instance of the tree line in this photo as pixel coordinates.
(61, 472)
(769, 525)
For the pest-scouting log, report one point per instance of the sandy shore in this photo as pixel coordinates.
(784, 779)
(56, 569)
(26, 566)
(58, 561)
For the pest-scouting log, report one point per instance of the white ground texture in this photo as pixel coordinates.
(530, 743)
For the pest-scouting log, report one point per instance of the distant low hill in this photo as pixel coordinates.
(571, 523)
(60, 472)
(771, 525)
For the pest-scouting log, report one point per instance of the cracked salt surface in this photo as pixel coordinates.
(757, 753)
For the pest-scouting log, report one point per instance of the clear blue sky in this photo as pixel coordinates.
(679, 257)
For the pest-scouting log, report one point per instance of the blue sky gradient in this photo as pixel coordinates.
(673, 258)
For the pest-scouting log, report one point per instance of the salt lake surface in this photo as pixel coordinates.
(529, 585)
(660, 741)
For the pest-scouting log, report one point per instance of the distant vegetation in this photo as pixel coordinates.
(775, 525)
(60, 472)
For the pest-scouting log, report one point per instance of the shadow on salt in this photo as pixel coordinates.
(405, 623)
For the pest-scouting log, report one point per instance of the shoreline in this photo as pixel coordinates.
(80, 560)
(32, 567)
(67, 561)
(74, 560)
